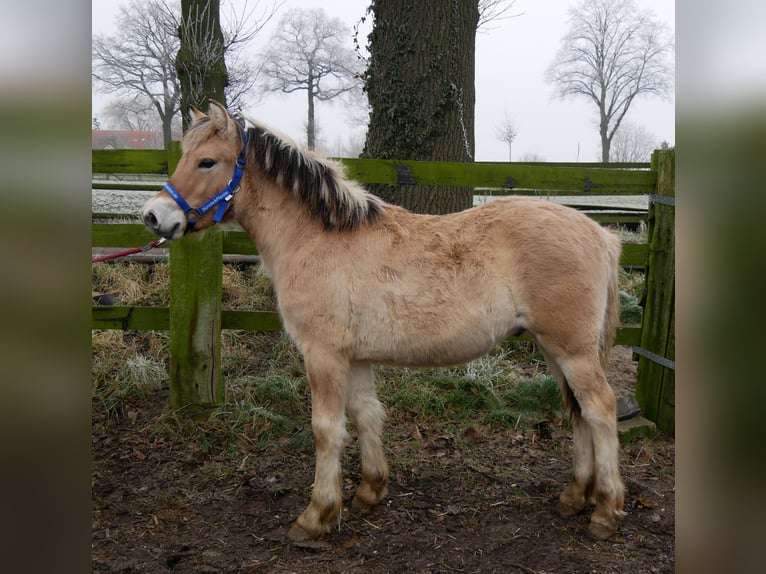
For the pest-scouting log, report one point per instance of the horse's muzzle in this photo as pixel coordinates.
(163, 218)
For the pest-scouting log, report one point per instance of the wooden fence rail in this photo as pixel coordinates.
(195, 317)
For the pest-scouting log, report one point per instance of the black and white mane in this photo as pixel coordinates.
(318, 182)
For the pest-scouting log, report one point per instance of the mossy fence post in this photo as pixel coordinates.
(196, 263)
(655, 385)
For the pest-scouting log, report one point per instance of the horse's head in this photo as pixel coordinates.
(206, 178)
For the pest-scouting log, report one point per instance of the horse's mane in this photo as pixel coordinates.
(318, 182)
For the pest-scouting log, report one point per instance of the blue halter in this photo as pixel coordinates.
(221, 199)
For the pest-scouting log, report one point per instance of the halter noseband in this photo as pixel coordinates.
(221, 199)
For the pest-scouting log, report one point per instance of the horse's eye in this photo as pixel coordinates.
(206, 163)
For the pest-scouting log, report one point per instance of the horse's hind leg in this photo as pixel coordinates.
(598, 414)
(328, 378)
(368, 415)
(576, 495)
(592, 405)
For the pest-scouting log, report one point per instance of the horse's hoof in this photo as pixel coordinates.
(360, 507)
(601, 531)
(564, 510)
(368, 497)
(299, 534)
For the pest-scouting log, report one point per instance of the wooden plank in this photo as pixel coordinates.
(158, 319)
(524, 178)
(634, 254)
(568, 191)
(613, 219)
(115, 217)
(251, 320)
(120, 235)
(507, 178)
(154, 161)
(124, 186)
(238, 242)
(610, 165)
(628, 335)
(131, 318)
(606, 208)
(654, 383)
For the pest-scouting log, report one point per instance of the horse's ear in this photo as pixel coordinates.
(196, 115)
(219, 116)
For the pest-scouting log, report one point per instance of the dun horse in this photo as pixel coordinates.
(361, 282)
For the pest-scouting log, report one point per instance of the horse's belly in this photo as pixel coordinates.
(435, 342)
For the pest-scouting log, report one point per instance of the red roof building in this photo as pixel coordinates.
(124, 139)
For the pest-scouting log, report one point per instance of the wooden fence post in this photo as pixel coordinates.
(196, 383)
(655, 387)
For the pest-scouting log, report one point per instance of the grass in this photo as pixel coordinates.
(631, 292)
(275, 406)
(268, 398)
(133, 283)
(127, 369)
(491, 391)
(628, 236)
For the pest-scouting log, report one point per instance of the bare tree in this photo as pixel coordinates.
(308, 53)
(135, 113)
(532, 157)
(350, 145)
(140, 58)
(494, 10)
(239, 28)
(506, 132)
(208, 54)
(613, 53)
(633, 142)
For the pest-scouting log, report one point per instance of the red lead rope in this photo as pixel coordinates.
(143, 249)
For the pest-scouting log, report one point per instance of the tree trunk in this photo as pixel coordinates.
(167, 129)
(196, 382)
(310, 141)
(605, 141)
(200, 62)
(420, 85)
(606, 148)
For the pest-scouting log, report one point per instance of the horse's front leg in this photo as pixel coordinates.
(368, 417)
(327, 379)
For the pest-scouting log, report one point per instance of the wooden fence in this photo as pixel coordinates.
(655, 387)
(195, 317)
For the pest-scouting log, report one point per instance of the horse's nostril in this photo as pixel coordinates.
(150, 220)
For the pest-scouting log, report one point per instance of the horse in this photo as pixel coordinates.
(361, 282)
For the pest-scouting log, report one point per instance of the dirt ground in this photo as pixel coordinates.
(473, 501)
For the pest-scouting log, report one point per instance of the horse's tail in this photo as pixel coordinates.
(612, 311)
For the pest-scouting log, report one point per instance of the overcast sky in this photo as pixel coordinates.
(511, 59)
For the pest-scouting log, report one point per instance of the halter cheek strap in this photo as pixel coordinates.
(220, 199)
